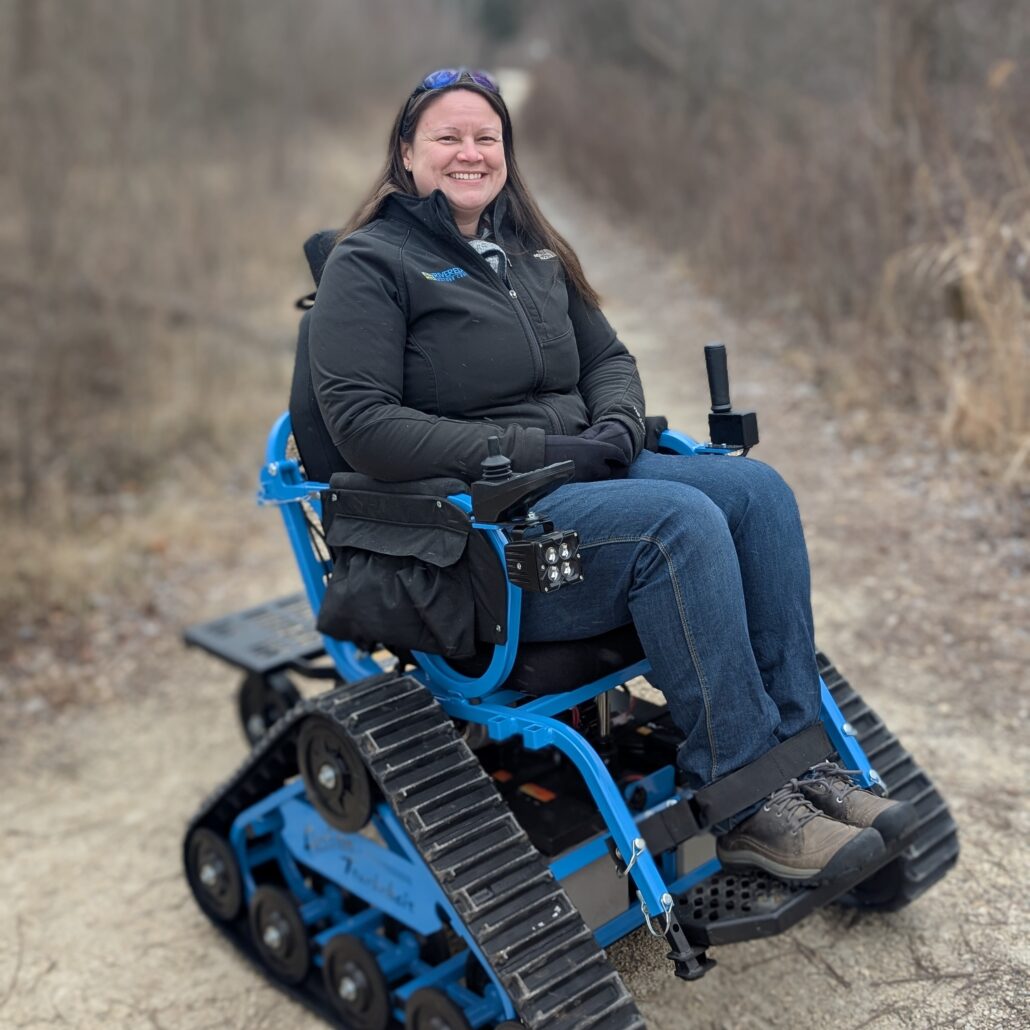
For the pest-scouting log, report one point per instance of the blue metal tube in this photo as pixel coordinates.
(438, 672)
(842, 736)
(281, 484)
(539, 732)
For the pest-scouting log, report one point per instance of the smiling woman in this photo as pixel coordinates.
(451, 312)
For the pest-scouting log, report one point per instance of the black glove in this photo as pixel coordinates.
(595, 459)
(613, 432)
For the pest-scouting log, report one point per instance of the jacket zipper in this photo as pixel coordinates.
(527, 325)
(559, 425)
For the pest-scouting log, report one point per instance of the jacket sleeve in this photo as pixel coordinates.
(608, 377)
(359, 328)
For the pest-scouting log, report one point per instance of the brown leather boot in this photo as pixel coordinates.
(832, 790)
(791, 838)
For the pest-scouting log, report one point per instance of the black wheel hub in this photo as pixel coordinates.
(430, 1009)
(214, 875)
(335, 777)
(263, 700)
(279, 934)
(355, 984)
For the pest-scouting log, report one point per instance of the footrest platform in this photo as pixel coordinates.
(743, 904)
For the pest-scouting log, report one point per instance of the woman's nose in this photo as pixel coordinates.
(469, 151)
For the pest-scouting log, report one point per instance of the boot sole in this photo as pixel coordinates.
(862, 850)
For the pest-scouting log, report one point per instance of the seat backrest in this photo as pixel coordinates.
(318, 453)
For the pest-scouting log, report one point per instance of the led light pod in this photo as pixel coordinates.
(544, 562)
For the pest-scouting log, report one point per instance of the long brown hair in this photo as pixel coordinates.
(531, 227)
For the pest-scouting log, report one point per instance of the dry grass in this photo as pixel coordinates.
(151, 224)
(860, 175)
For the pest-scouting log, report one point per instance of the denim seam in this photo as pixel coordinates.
(688, 634)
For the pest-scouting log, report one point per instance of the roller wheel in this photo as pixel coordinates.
(214, 875)
(336, 779)
(279, 934)
(263, 700)
(355, 984)
(430, 1009)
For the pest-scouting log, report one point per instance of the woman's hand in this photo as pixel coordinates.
(595, 458)
(613, 432)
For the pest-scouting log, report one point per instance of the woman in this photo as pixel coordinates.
(451, 311)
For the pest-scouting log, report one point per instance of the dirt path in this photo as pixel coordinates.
(916, 597)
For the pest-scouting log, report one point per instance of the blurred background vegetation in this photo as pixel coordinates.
(858, 174)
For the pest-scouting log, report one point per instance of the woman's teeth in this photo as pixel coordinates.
(466, 175)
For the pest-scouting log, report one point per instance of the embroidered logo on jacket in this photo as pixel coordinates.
(544, 255)
(448, 275)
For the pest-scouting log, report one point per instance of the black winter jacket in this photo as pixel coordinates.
(419, 352)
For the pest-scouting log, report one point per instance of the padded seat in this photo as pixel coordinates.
(555, 667)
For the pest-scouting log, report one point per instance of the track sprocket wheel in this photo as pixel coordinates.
(430, 1009)
(337, 782)
(279, 934)
(262, 700)
(355, 984)
(214, 875)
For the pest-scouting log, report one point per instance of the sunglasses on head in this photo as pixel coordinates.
(452, 76)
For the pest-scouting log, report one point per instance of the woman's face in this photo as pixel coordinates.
(458, 148)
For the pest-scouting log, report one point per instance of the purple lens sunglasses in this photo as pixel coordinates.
(451, 76)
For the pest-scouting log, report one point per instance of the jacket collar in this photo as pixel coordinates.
(434, 213)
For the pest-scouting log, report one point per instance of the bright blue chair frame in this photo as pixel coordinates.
(483, 700)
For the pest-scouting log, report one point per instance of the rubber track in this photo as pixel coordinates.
(934, 848)
(536, 941)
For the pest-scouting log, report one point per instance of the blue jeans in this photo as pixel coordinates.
(706, 556)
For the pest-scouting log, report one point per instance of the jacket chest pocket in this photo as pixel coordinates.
(561, 361)
(545, 298)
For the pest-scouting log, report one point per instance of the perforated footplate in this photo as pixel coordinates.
(742, 904)
(736, 894)
(270, 636)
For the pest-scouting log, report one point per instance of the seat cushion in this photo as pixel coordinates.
(555, 667)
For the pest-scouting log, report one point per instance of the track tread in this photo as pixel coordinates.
(500, 885)
(934, 847)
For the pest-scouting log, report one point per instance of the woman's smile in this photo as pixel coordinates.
(459, 149)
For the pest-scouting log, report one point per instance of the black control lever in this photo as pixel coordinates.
(505, 496)
(718, 377)
(727, 428)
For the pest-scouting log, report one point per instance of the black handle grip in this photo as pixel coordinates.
(495, 466)
(718, 377)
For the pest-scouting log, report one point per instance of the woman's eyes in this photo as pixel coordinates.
(455, 139)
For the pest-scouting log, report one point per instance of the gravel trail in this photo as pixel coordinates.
(918, 601)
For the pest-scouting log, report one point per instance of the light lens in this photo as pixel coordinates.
(551, 555)
(565, 552)
(553, 574)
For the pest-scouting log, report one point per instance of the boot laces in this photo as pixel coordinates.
(792, 805)
(836, 779)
